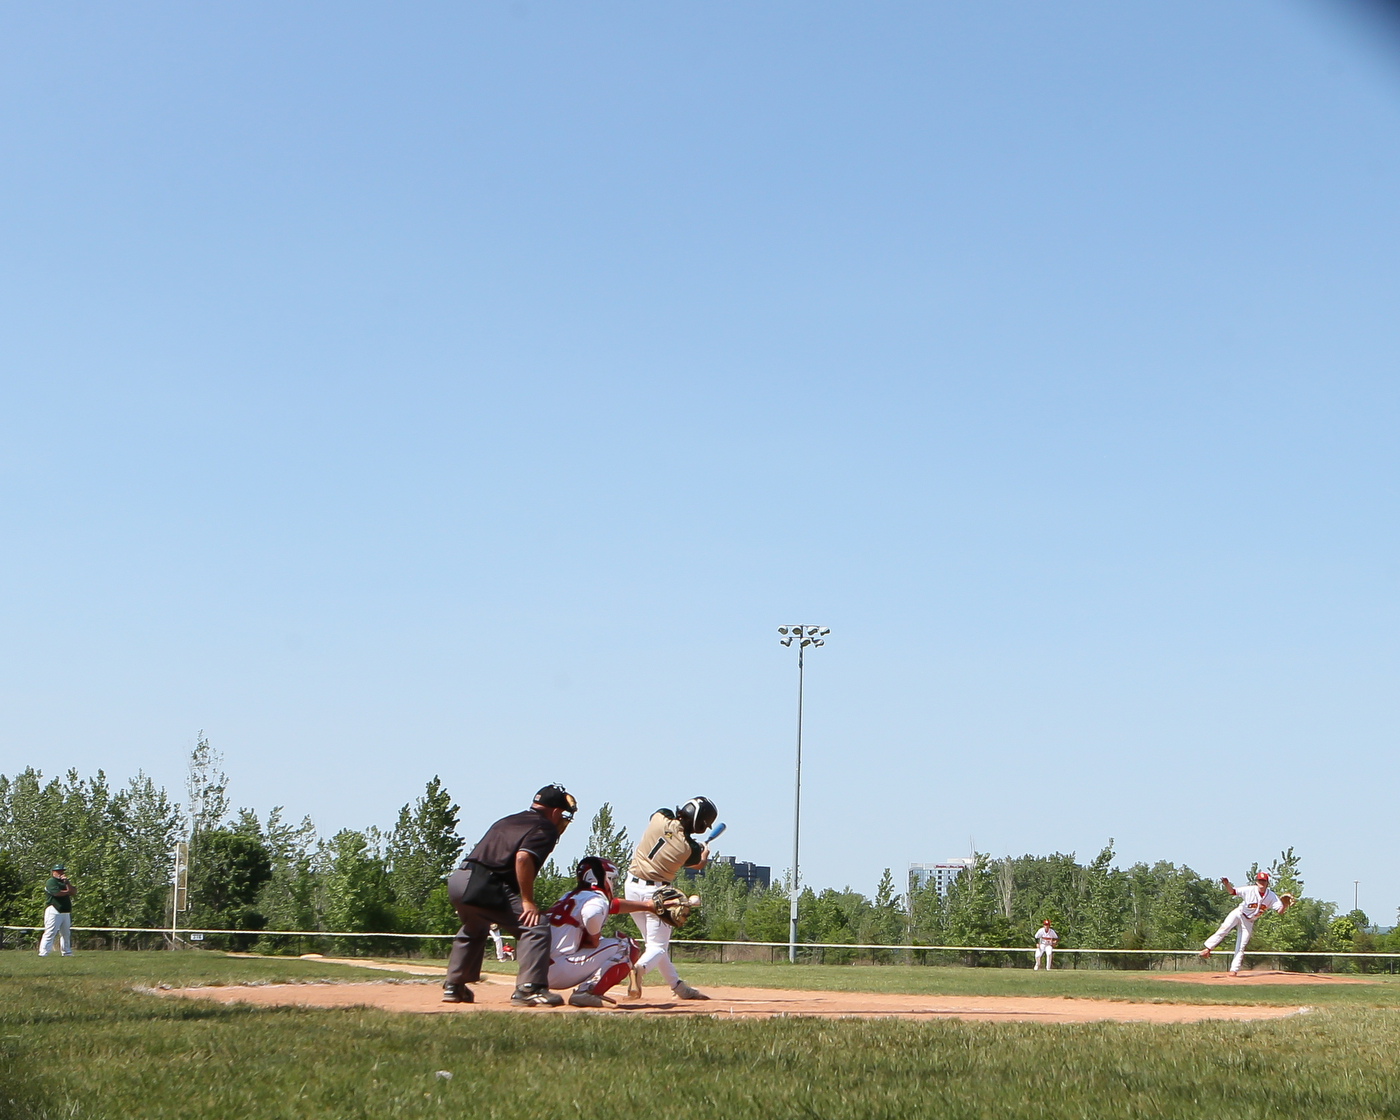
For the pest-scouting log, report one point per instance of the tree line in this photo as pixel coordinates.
(249, 874)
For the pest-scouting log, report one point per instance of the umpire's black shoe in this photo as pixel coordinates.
(531, 995)
(457, 993)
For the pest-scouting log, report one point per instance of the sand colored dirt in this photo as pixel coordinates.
(493, 994)
(1261, 976)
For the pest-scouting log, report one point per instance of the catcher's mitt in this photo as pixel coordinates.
(671, 906)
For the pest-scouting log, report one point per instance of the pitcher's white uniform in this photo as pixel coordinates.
(1045, 938)
(1254, 901)
(571, 963)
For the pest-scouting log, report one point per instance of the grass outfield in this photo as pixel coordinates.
(77, 1040)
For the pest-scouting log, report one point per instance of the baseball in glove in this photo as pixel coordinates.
(671, 906)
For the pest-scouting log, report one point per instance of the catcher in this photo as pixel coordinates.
(666, 846)
(578, 957)
(1255, 900)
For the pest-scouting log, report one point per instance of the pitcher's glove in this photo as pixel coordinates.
(671, 906)
(1286, 899)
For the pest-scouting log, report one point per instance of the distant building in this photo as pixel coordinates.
(752, 875)
(941, 874)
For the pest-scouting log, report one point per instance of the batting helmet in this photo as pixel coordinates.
(697, 814)
(595, 873)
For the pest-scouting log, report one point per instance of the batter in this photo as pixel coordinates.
(666, 846)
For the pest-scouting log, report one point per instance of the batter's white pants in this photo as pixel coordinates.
(1235, 920)
(1046, 951)
(655, 932)
(585, 967)
(58, 926)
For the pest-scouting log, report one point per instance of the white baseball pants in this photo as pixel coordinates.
(655, 932)
(1235, 920)
(1048, 952)
(500, 943)
(589, 965)
(56, 926)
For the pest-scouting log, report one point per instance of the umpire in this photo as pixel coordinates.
(496, 883)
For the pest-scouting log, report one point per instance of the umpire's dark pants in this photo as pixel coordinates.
(469, 946)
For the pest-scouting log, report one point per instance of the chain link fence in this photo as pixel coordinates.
(437, 945)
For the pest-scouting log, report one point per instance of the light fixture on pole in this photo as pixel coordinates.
(803, 636)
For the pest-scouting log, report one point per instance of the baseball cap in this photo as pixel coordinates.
(58, 867)
(1262, 877)
(557, 797)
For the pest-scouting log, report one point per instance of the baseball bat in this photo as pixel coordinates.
(715, 831)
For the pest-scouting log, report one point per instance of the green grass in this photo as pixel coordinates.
(78, 1039)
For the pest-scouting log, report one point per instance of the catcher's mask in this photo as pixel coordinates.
(596, 874)
(1262, 878)
(697, 814)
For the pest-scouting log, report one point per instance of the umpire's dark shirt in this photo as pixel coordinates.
(530, 831)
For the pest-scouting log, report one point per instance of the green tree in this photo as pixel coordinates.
(354, 885)
(972, 907)
(766, 915)
(885, 922)
(551, 885)
(1303, 926)
(723, 899)
(11, 890)
(1104, 910)
(228, 868)
(422, 850)
(288, 898)
(608, 840)
(207, 787)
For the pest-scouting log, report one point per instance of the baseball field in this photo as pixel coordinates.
(123, 1035)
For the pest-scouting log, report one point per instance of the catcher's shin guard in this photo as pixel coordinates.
(614, 975)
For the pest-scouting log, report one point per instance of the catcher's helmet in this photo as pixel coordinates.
(1262, 878)
(595, 873)
(697, 814)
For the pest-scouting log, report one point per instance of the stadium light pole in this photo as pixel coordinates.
(804, 636)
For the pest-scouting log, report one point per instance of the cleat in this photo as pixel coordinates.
(457, 993)
(685, 991)
(586, 999)
(531, 996)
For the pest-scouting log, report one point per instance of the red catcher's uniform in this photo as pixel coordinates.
(571, 963)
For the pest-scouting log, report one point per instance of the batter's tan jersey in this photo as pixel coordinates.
(664, 849)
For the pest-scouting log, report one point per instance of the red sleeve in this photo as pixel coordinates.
(615, 907)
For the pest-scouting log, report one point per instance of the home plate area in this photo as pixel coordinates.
(493, 994)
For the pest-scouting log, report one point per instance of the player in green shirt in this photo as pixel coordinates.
(58, 914)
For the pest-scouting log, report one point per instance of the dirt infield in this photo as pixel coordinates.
(1262, 976)
(493, 994)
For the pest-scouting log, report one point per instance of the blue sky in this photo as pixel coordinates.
(473, 389)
